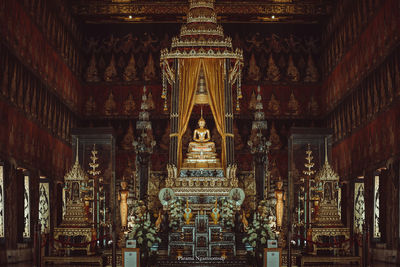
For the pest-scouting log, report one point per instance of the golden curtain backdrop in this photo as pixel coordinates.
(189, 70)
(214, 76)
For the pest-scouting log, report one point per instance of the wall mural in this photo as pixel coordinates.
(344, 27)
(374, 95)
(33, 97)
(271, 58)
(30, 45)
(60, 29)
(381, 35)
(280, 101)
(370, 143)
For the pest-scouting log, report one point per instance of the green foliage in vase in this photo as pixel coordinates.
(144, 232)
(176, 214)
(227, 213)
(258, 232)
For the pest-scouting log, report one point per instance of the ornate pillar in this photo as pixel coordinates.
(173, 137)
(259, 146)
(143, 159)
(261, 164)
(229, 140)
(144, 146)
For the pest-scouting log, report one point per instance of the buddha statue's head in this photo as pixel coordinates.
(202, 122)
(279, 184)
(124, 184)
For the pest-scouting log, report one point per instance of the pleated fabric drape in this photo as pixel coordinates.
(189, 70)
(214, 76)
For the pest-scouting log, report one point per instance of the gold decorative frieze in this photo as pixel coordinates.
(209, 19)
(238, 54)
(176, 42)
(180, 8)
(211, 31)
(197, 4)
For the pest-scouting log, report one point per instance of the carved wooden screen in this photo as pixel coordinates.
(377, 233)
(359, 207)
(27, 209)
(44, 205)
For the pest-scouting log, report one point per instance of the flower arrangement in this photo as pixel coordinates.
(266, 209)
(176, 214)
(264, 220)
(227, 213)
(144, 232)
(258, 232)
(136, 211)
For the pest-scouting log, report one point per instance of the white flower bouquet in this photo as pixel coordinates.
(144, 232)
(176, 214)
(227, 213)
(259, 232)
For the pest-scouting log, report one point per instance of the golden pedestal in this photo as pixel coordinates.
(328, 228)
(74, 229)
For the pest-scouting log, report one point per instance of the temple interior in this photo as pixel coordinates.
(236, 133)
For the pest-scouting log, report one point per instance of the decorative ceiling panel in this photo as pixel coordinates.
(272, 11)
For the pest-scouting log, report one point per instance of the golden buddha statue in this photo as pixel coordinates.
(280, 198)
(245, 223)
(159, 220)
(123, 205)
(201, 151)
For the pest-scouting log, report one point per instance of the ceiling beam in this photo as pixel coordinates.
(176, 10)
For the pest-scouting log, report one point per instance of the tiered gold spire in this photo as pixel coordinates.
(201, 35)
(75, 183)
(76, 173)
(309, 164)
(328, 181)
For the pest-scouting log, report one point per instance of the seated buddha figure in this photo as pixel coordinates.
(201, 137)
(201, 151)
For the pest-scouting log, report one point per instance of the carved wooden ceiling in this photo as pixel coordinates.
(234, 11)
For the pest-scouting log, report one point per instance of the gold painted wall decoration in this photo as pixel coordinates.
(273, 73)
(130, 70)
(129, 105)
(273, 105)
(110, 73)
(110, 105)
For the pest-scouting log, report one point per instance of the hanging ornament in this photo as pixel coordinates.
(237, 104)
(164, 83)
(239, 85)
(165, 104)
